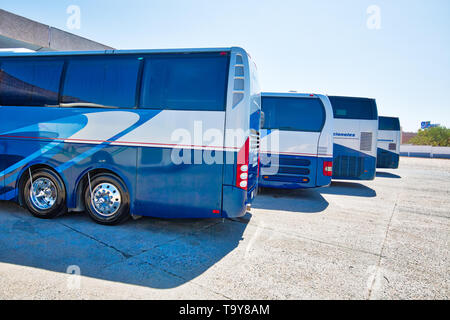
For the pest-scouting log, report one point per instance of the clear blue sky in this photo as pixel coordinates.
(321, 46)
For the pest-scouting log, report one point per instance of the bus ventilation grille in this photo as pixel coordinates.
(290, 169)
(392, 146)
(254, 146)
(239, 80)
(386, 159)
(348, 167)
(366, 141)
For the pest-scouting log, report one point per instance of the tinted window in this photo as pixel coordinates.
(185, 82)
(354, 108)
(388, 123)
(293, 114)
(31, 82)
(102, 81)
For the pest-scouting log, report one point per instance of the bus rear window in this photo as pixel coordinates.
(388, 123)
(31, 82)
(293, 114)
(185, 82)
(354, 108)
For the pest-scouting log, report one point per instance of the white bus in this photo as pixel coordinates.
(355, 138)
(389, 139)
(297, 141)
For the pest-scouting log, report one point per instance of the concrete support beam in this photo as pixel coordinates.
(17, 31)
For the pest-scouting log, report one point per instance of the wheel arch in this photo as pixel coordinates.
(82, 182)
(36, 166)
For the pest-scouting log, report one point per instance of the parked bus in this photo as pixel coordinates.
(389, 139)
(142, 132)
(355, 138)
(296, 141)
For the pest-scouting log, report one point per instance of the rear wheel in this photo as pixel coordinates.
(106, 200)
(44, 194)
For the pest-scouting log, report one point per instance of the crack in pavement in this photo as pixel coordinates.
(124, 254)
(369, 294)
(171, 273)
(411, 211)
(128, 256)
(164, 243)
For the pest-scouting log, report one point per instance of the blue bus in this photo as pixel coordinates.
(389, 139)
(296, 141)
(162, 133)
(355, 138)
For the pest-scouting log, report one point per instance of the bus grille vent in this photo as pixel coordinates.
(254, 140)
(290, 169)
(239, 80)
(348, 166)
(392, 146)
(366, 141)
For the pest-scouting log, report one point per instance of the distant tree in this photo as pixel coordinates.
(437, 136)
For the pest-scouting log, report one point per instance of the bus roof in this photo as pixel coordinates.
(290, 94)
(393, 118)
(347, 97)
(140, 51)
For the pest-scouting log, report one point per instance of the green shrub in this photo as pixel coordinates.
(437, 136)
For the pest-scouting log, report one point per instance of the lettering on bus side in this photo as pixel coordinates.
(339, 134)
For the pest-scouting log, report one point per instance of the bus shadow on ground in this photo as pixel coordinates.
(381, 174)
(295, 200)
(308, 200)
(345, 188)
(149, 252)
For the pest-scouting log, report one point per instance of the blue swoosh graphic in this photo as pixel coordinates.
(75, 123)
(30, 158)
(93, 150)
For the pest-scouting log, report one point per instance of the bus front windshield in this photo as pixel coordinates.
(293, 114)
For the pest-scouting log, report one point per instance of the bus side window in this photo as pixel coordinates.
(103, 81)
(30, 83)
(195, 82)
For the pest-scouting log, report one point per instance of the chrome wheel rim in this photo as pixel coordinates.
(43, 194)
(106, 199)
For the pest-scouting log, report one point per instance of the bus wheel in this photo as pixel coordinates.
(44, 194)
(107, 200)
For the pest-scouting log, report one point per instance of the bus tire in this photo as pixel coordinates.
(46, 197)
(111, 203)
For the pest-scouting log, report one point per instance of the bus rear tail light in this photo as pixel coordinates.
(242, 166)
(328, 168)
(259, 164)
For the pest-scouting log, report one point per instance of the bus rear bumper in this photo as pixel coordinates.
(236, 201)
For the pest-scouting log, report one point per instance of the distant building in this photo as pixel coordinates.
(406, 136)
(20, 32)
